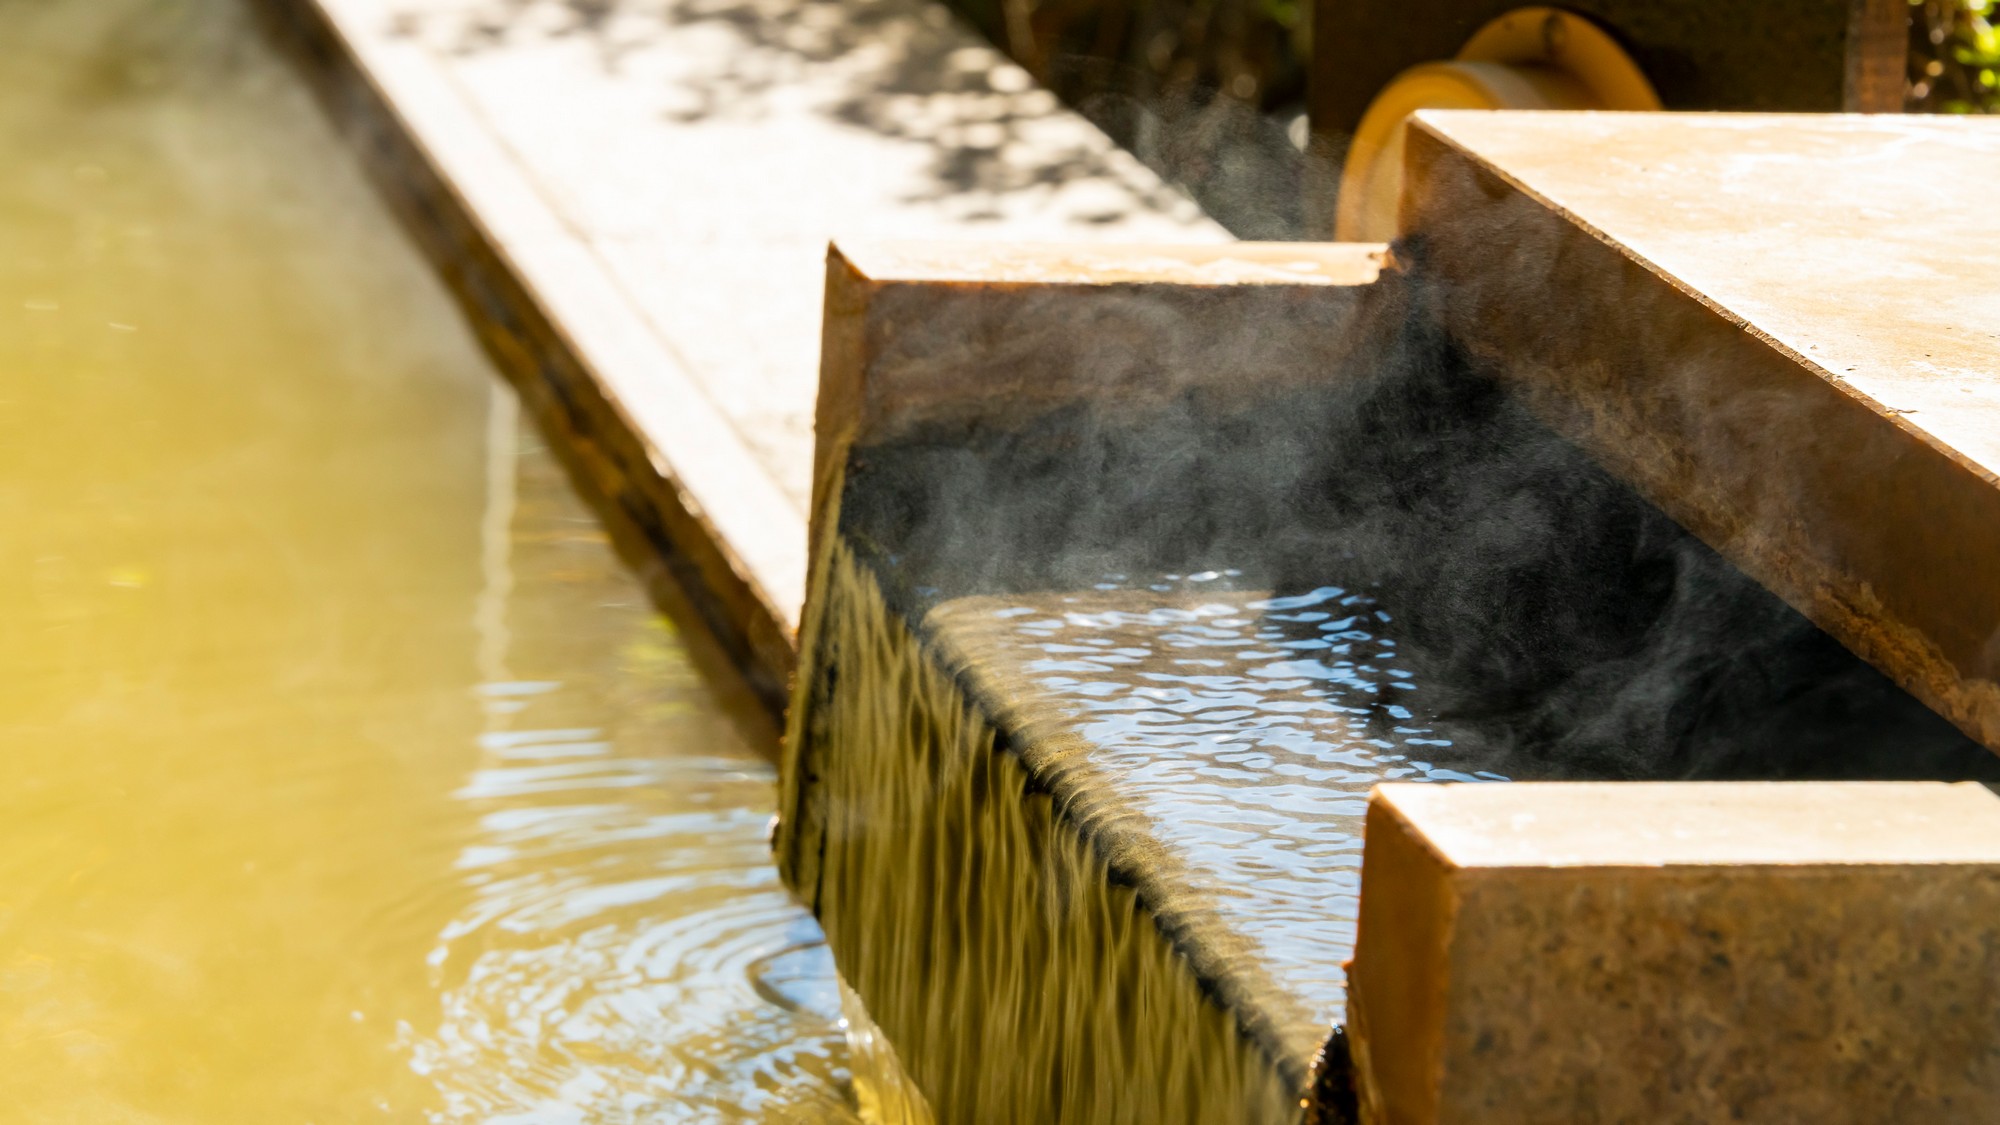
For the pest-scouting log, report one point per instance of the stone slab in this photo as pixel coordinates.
(1678, 952)
(584, 361)
(1783, 330)
(991, 335)
(633, 202)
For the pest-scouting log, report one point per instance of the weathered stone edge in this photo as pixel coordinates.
(567, 336)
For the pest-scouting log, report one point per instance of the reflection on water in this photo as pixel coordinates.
(348, 775)
(626, 952)
(1244, 730)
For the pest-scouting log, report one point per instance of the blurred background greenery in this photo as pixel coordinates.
(1954, 57)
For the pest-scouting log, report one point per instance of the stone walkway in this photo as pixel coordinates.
(694, 157)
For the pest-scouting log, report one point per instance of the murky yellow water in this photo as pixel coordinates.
(347, 775)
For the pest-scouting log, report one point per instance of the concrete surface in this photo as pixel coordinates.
(1678, 953)
(1784, 331)
(634, 199)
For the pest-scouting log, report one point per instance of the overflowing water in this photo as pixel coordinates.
(1116, 829)
(349, 775)
(1244, 728)
(1014, 964)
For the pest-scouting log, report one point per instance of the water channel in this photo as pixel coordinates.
(350, 775)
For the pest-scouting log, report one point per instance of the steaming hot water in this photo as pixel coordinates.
(1226, 736)
(349, 777)
(1091, 703)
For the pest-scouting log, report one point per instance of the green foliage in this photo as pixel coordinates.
(1954, 56)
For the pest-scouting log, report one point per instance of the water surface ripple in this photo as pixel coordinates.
(349, 775)
(1245, 727)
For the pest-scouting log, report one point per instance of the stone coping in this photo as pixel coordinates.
(633, 204)
(1678, 952)
(1783, 330)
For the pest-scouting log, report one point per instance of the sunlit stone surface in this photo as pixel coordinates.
(707, 150)
(1679, 952)
(1780, 329)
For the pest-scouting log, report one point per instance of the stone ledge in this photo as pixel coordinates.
(1678, 952)
(946, 336)
(1781, 330)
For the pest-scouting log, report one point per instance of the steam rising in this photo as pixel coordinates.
(1560, 625)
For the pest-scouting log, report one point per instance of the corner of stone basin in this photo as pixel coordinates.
(932, 335)
(1771, 951)
(1768, 325)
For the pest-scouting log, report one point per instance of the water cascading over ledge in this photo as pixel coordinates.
(928, 811)
(1118, 616)
(981, 910)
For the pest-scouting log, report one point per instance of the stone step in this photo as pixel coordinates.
(1783, 330)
